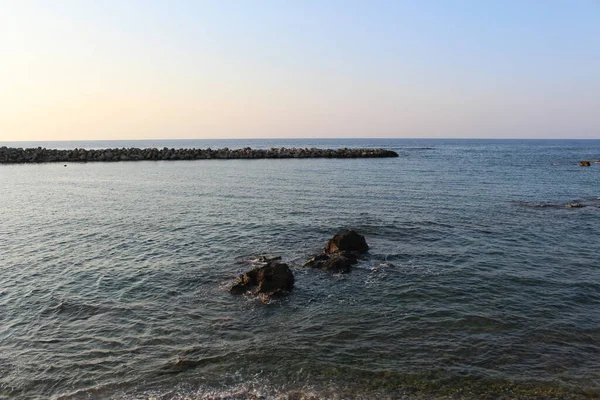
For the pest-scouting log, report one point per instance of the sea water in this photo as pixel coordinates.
(480, 280)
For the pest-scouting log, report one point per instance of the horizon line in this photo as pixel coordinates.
(294, 138)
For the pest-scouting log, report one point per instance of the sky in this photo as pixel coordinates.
(143, 69)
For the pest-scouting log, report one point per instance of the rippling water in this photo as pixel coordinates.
(480, 281)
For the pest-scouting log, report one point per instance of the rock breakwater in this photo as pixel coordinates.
(12, 155)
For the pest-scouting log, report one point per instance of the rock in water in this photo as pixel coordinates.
(180, 365)
(349, 241)
(339, 262)
(271, 280)
(584, 163)
(340, 253)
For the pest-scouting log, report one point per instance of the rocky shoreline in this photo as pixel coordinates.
(12, 155)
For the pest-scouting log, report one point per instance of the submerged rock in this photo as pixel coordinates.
(340, 253)
(339, 262)
(579, 203)
(271, 280)
(180, 365)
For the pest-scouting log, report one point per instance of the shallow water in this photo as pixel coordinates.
(479, 280)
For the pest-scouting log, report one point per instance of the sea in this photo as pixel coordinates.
(482, 280)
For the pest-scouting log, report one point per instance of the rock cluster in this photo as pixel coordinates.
(274, 279)
(340, 253)
(10, 155)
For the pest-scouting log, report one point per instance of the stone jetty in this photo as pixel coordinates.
(12, 155)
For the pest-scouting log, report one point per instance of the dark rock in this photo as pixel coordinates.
(349, 241)
(340, 253)
(584, 163)
(271, 280)
(339, 262)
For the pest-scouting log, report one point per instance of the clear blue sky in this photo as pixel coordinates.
(198, 69)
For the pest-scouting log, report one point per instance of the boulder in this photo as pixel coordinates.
(349, 241)
(340, 253)
(584, 163)
(271, 280)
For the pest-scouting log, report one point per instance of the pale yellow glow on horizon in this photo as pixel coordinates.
(65, 78)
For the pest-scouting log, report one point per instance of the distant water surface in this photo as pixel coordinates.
(480, 281)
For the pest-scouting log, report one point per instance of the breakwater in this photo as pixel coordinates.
(12, 155)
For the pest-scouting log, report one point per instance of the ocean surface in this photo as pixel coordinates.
(480, 282)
